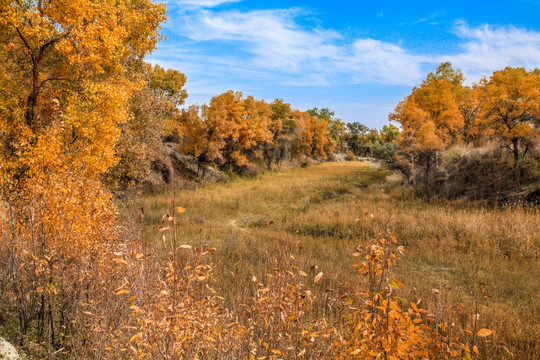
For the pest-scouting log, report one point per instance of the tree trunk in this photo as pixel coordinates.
(428, 170)
(515, 150)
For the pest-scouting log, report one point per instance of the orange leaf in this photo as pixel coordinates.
(484, 332)
(120, 261)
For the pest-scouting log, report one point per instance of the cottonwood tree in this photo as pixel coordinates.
(281, 126)
(336, 128)
(511, 108)
(355, 136)
(311, 135)
(63, 93)
(430, 118)
(201, 138)
(389, 133)
(154, 115)
(243, 123)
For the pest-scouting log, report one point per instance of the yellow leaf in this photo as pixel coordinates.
(394, 306)
(120, 261)
(484, 332)
(318, 277)
(180, 210)
(475, 349)
(123, 291)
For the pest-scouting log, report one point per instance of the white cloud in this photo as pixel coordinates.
(273, 40)
(272, 36)
(376, 61)
(254, 50)
(487, 48)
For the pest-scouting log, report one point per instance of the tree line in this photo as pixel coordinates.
(443, 113)
(232, 132)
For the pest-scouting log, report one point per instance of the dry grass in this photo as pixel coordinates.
(485, 258)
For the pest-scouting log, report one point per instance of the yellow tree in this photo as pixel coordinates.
(243, 124)
(311, 135)
(168, 93)
(303, 133)
(63, 93)
(201, 137)
(154, 115)
(430, 117)
(280, 126)
(256, 129)
(319, 145)
(225, 113)
(511, 108)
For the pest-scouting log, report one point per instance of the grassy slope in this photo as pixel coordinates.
(451, 246)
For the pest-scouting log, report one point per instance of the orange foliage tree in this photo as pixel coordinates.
(64, 91)
(281, 125)
(511, 108)
(200, 138)
(154, 115)
(230, 130)
(310, 135)
(430, 117)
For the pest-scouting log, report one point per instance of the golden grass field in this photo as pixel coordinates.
(484, 257)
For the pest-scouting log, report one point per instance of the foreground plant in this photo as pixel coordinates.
(382, 325)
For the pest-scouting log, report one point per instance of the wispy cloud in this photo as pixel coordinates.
(272, 37)
(222, 48)
(273, 40)
(488, 48)
(369, 60)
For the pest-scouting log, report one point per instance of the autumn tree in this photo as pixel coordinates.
(200, 137)
(168, 93)
(154, 115)
(63, 93)
(311, 135)
(244, 124)
(511, 109)
(256, 130)
(336, 128)
(430, 117)
(281, 126)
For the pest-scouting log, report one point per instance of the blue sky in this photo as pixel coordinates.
(359, 58)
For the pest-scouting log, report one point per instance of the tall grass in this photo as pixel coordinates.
(473, 265)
